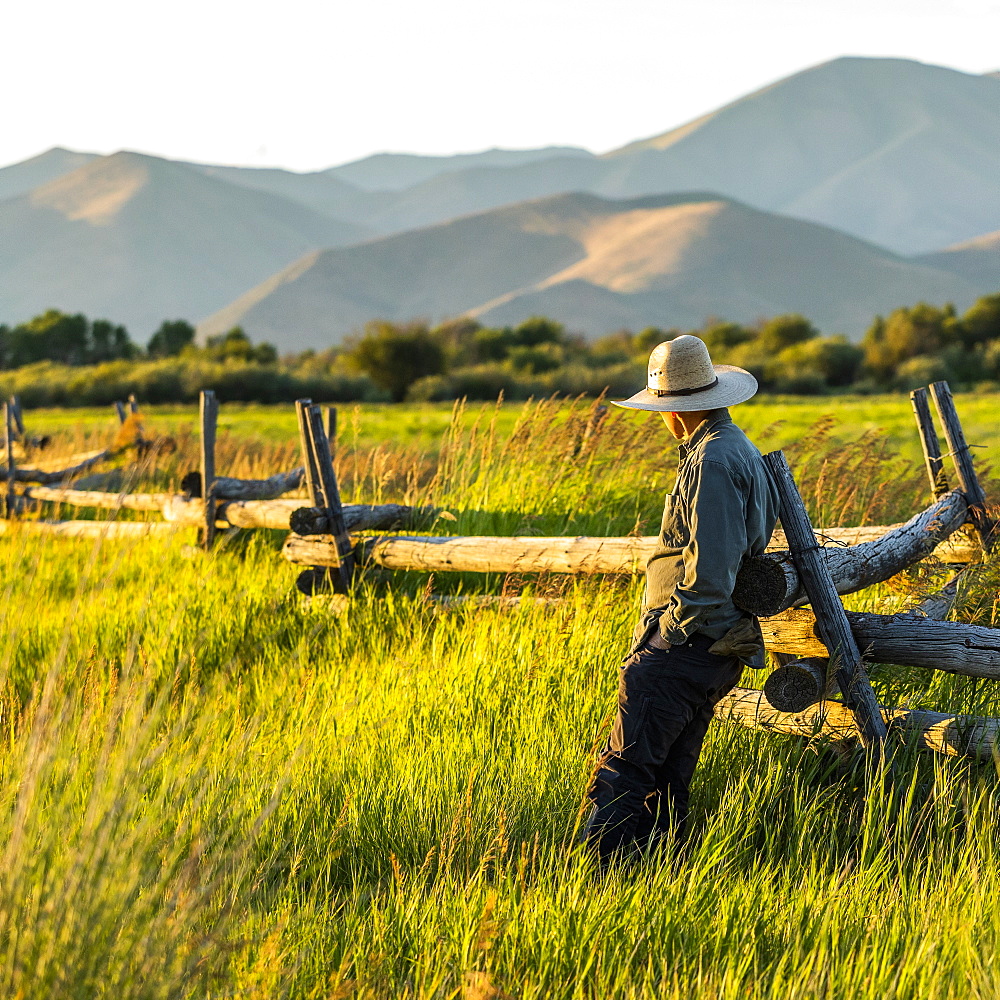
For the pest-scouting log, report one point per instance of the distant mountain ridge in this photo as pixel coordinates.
(595, 264)
(396, 171)
(20, 178)
(978, 261)
(138, 239)
(894, 152)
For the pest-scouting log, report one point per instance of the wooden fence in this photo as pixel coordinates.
(822, 650)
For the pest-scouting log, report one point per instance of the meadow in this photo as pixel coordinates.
(213, 787)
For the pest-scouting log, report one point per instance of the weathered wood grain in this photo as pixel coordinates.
(929, 443)
(323, 459)
(527, 554)
(909, 639)
(771, 582)
(10, 499)
(831, 622)
(563, 554)
(99, 499)
(46, 476)
(274, 514)
(962, 457)
(230, 488)
(209, 414)
(797, 684)
(277, 513)
(92, 529)
(942, 732)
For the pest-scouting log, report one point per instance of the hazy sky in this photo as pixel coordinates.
(306, 84)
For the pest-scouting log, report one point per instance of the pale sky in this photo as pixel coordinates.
(307, 84)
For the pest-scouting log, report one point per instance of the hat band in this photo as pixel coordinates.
(684, 392)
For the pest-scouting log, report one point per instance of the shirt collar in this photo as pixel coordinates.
(713, 420)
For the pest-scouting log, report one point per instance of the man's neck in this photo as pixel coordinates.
(683, 425)
(692, 421)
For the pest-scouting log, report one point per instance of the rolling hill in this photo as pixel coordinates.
(978, 261)
(139, 239)
(594, 264)
(319, 191)
(899, 152)
(893, 151)
(396, 171)
(20, 178)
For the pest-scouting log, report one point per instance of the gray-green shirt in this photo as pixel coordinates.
(722, 511)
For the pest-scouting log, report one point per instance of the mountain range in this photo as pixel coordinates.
(595, 264)
(845, 189)
(141, 239)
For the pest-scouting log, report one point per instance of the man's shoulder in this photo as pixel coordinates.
(727, 443)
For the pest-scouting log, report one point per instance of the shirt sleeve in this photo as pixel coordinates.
(717, 541)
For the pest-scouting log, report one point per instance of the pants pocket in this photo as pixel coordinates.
(642, 634)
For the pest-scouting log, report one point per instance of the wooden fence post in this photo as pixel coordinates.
(18, 415)
(209, 412)
(331, 495)
(962, 457)
(929, 443)
(10, 499)
(308, 459)
(331, 430)
(120, 410)
(831, 620)
(321, 481)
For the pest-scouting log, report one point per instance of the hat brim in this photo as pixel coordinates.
(734, 386)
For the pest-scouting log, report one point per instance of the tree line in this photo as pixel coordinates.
(62, 359)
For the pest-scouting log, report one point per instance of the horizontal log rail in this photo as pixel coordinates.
(485, 554)
(230, 488)
(944, 733)
(770, 583)
(99, 499)
(795, 685)
(909, 639)
(230, 513)
(274, 514)
(91, 529)
(44, 476)
(585, 554)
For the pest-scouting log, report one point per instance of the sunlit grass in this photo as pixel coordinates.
(213, 787)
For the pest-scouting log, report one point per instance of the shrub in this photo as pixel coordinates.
(394, 357)
(920, 371)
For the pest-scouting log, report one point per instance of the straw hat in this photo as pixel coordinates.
(681, 377)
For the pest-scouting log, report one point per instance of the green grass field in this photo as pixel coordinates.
(212, 787)
(423, 424)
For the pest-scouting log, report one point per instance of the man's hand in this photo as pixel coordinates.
(657, 641)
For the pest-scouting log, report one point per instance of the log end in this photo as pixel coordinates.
(761, 587)
(309, 521)
(191, 484)
(795, 686)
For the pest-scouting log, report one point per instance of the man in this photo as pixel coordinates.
(691, 642)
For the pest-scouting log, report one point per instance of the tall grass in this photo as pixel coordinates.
(212, 787)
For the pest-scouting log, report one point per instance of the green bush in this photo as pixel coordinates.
(920, 371)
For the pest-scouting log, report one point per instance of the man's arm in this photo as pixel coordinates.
(718, 538)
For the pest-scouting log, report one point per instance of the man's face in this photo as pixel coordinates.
(674, 425)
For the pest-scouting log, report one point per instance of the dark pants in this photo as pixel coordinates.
(665, 701)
